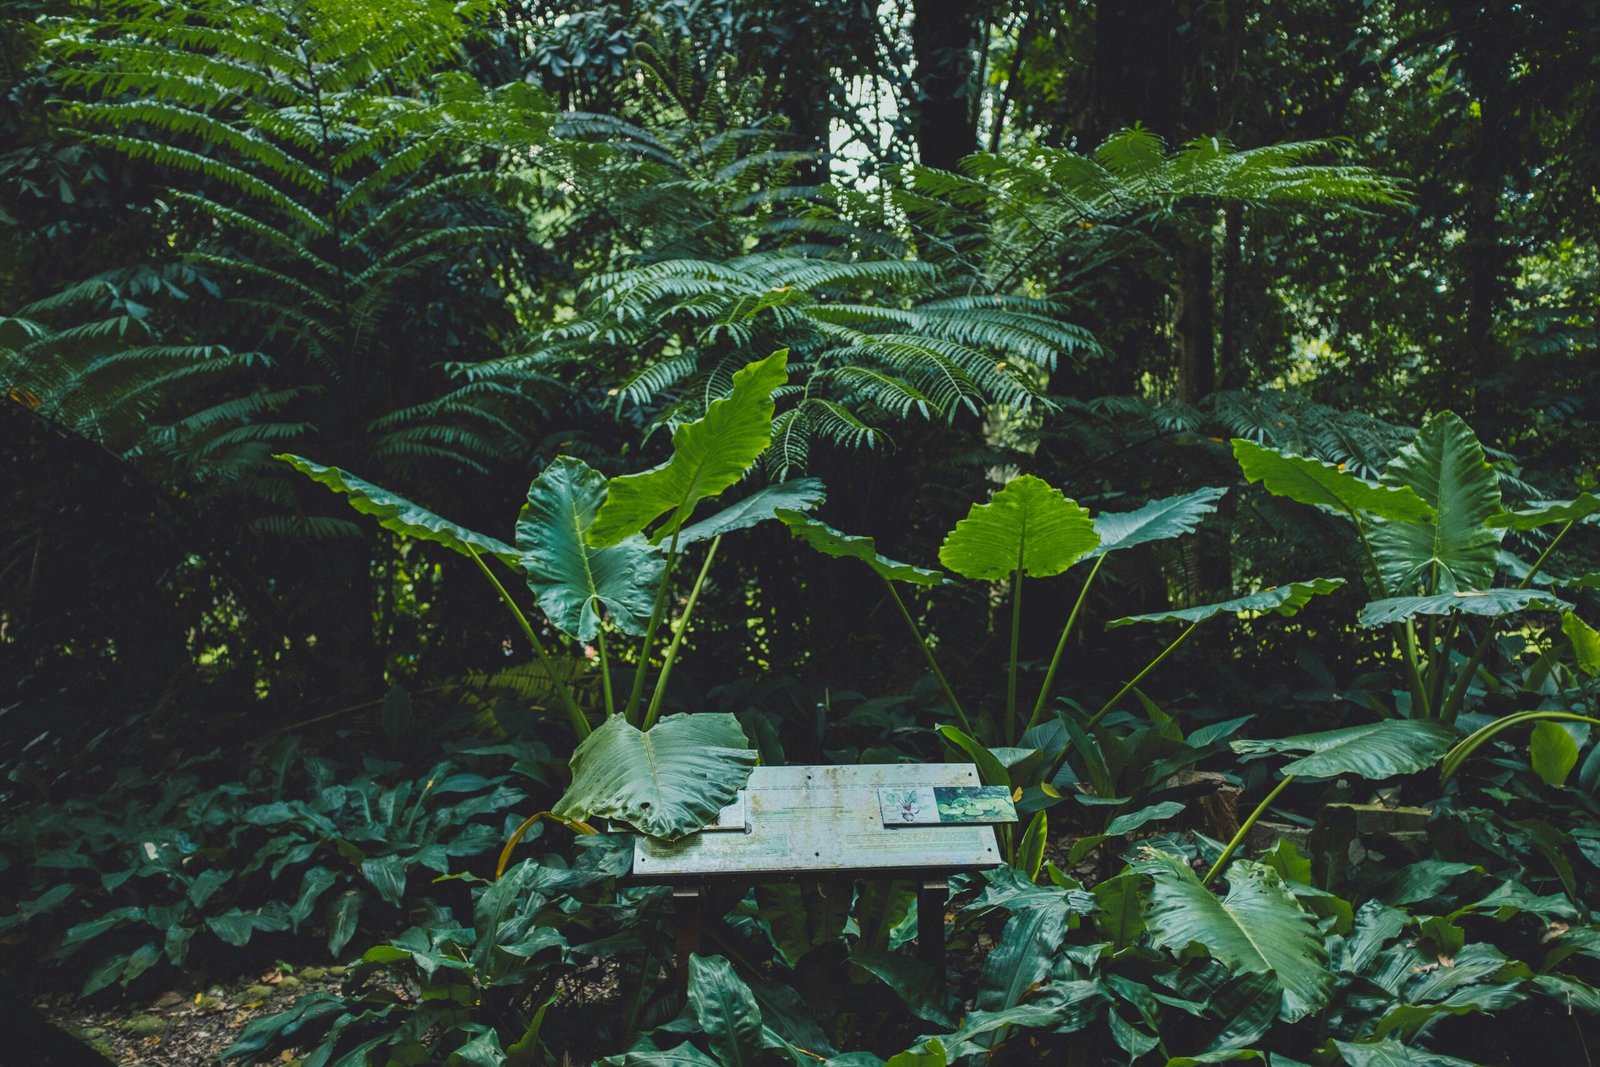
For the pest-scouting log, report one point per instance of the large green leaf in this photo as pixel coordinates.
(1548, 513)
(1374, 750)
(1257, 928)
(1447, 468)
(1311, 481)
(1283, 599)
(726, 1010)
(1158, 520)
(1487, 602)
(797, 494)
(667, 782)
(708, 455)
(830, 542)
(395, 512)
(1553, 752)
(1028, 526)
(1585, 642)
(574, 581)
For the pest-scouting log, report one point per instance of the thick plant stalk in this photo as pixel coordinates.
(933, 665)
(1061, 646)
(636, 692)
(1408, 633)
(605, 670)
(1011, 676)
(677, 638)
(1458, 692)
(580, 722)
(1152, 665)
(1238, 838)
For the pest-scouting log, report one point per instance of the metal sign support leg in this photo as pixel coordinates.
(932, 894)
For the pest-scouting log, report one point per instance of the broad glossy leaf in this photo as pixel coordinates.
(1486, 602)
(1283, 599)
(342, 916)
(1548, 513)
(795, 495)
(1446, 467)
(1391, 1053)
(1585, 642)
(1158, 520)
(1126, 824)
(395, 512)
(990, 770)
(1553, 752)
(574, 581)
(708, 455)
(830, 542)
(1028, 525)
(726, 1010)
(911, 979)
(1311, 481)
(1374, 750)
(1022, 956)
(1257, 928)
(667, 782)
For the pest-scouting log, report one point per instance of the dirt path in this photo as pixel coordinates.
(183, 1027)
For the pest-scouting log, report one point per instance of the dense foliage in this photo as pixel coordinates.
(439, 436)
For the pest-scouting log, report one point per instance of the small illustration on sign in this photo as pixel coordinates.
(946, 805)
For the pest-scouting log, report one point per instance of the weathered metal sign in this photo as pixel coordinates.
(822, 820)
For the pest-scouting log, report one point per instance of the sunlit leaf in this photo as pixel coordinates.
(1028, 526)
(1284, 599)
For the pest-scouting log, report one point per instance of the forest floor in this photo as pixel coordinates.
(183, 1029)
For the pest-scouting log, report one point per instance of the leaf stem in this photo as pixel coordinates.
(636, 692)
(1152, 665)
(933, 665)
(1016, 634)
(1238, 838)
(677, 637)
(580, 722)
(1458, 692)
(1061, 646)
(605, 670)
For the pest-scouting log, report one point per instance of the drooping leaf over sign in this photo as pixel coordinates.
(574, 581)
(1311, 481)
(1029, 526)
(1486, 602)
(1446, 467)
(395, 512)
(1158, 520)
(830, 542)
(1284, 599)
(668, 781)
(1258, 928)
(1373, 750)
(708, 455)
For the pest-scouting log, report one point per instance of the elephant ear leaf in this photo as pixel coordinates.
(1311, 481)
(1457, 550)
(708, 455)
(1028, 526)
(1158, 520)
(395, 512)
(1374, 750)
(1491, 603)
(1283, 599)
(797, 494)
(726, 1010)
(1548, 513)
(1258, 928)
(830, 542)
(668, 781)
(573, 581)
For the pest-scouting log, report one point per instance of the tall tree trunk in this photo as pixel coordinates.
(943, 42)
(1194, 325)
(1230, 368)
(1484, 40)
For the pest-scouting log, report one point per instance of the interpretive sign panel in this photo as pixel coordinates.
(944, 805)
(825, 820)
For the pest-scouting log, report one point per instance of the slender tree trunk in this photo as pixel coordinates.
(1230, 369)
(1194, 325)
(943, 43)
(1484, 39)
